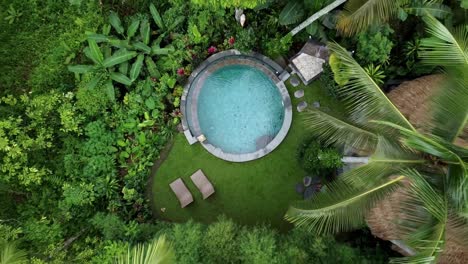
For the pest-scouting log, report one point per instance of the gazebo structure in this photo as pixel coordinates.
(308, 63)
(413, 99)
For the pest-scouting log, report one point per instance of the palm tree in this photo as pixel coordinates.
(156, 252)
(426, 163)
(10, 254)
(360, 14)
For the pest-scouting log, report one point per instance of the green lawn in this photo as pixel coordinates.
(252, 192)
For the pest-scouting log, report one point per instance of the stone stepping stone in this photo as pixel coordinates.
(300, 188)
(307, 181)
(316, 104)
(309, 192)
(301, 106)
(294, 81)
(299, 93)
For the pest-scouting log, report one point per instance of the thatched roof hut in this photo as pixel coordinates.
(413, 99)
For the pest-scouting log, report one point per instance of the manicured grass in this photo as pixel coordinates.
(252, 192)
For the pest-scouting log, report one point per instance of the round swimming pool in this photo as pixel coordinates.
(240, 109)
(238, 104)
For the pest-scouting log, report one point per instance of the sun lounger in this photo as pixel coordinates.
(182, 192)
(202, 183)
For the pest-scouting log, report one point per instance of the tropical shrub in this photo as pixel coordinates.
(374, 45)
(318, 159)
(246, 39)
(328, 81)
(228, 242)
(278, 46)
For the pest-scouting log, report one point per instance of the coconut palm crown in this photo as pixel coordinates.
(426, 162)
(360, 14)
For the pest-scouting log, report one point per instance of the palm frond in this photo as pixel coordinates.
(360, 14)
(425, 217)
(450, 106)
(10, 254)
(341, 207)
(434, 202)
(425, 143)
(391, 152)
(457, 229)
(333, 130)
(445, 47)
(158, 252)
(457, 187)
(434, 8)
(362, 95)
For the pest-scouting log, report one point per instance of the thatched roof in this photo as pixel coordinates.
(413, 99)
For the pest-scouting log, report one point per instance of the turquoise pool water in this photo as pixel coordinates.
(240, 109)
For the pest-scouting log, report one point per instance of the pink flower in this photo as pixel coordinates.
(154, 79)
(232, 40)
(212, 49)
(181, 72)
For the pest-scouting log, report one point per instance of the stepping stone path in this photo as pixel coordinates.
(299, 93)
(294, 81)
(316, 104)
(301, 106)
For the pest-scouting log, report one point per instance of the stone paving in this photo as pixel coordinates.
(195, 84)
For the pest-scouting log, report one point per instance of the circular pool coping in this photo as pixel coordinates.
(231, 57)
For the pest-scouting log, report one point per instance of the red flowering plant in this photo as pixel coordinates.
(212, 50)
(181, 71)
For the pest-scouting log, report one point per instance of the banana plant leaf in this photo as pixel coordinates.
(156, 17)
(114, 20)
(120, 78)
(119, 58)
(136, 67)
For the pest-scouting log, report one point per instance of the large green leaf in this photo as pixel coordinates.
(158, 252)
(142, 46)
(450, 106)
(80, 68)
(156, 17)
(10, 254)
(424, 218)
(118, 58)
(114, 20)
(358, 15)
(110, 91)
(145, 31)
(336, 131)
(161, 51)
(118, 77)
(98, 37)
(341, 207)
(428, 144)
(132, 29)
(95, 51)
(445, 47)
(364, 99)
(136, 67)
(292, 13)
(123, 67)
(428, 7)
